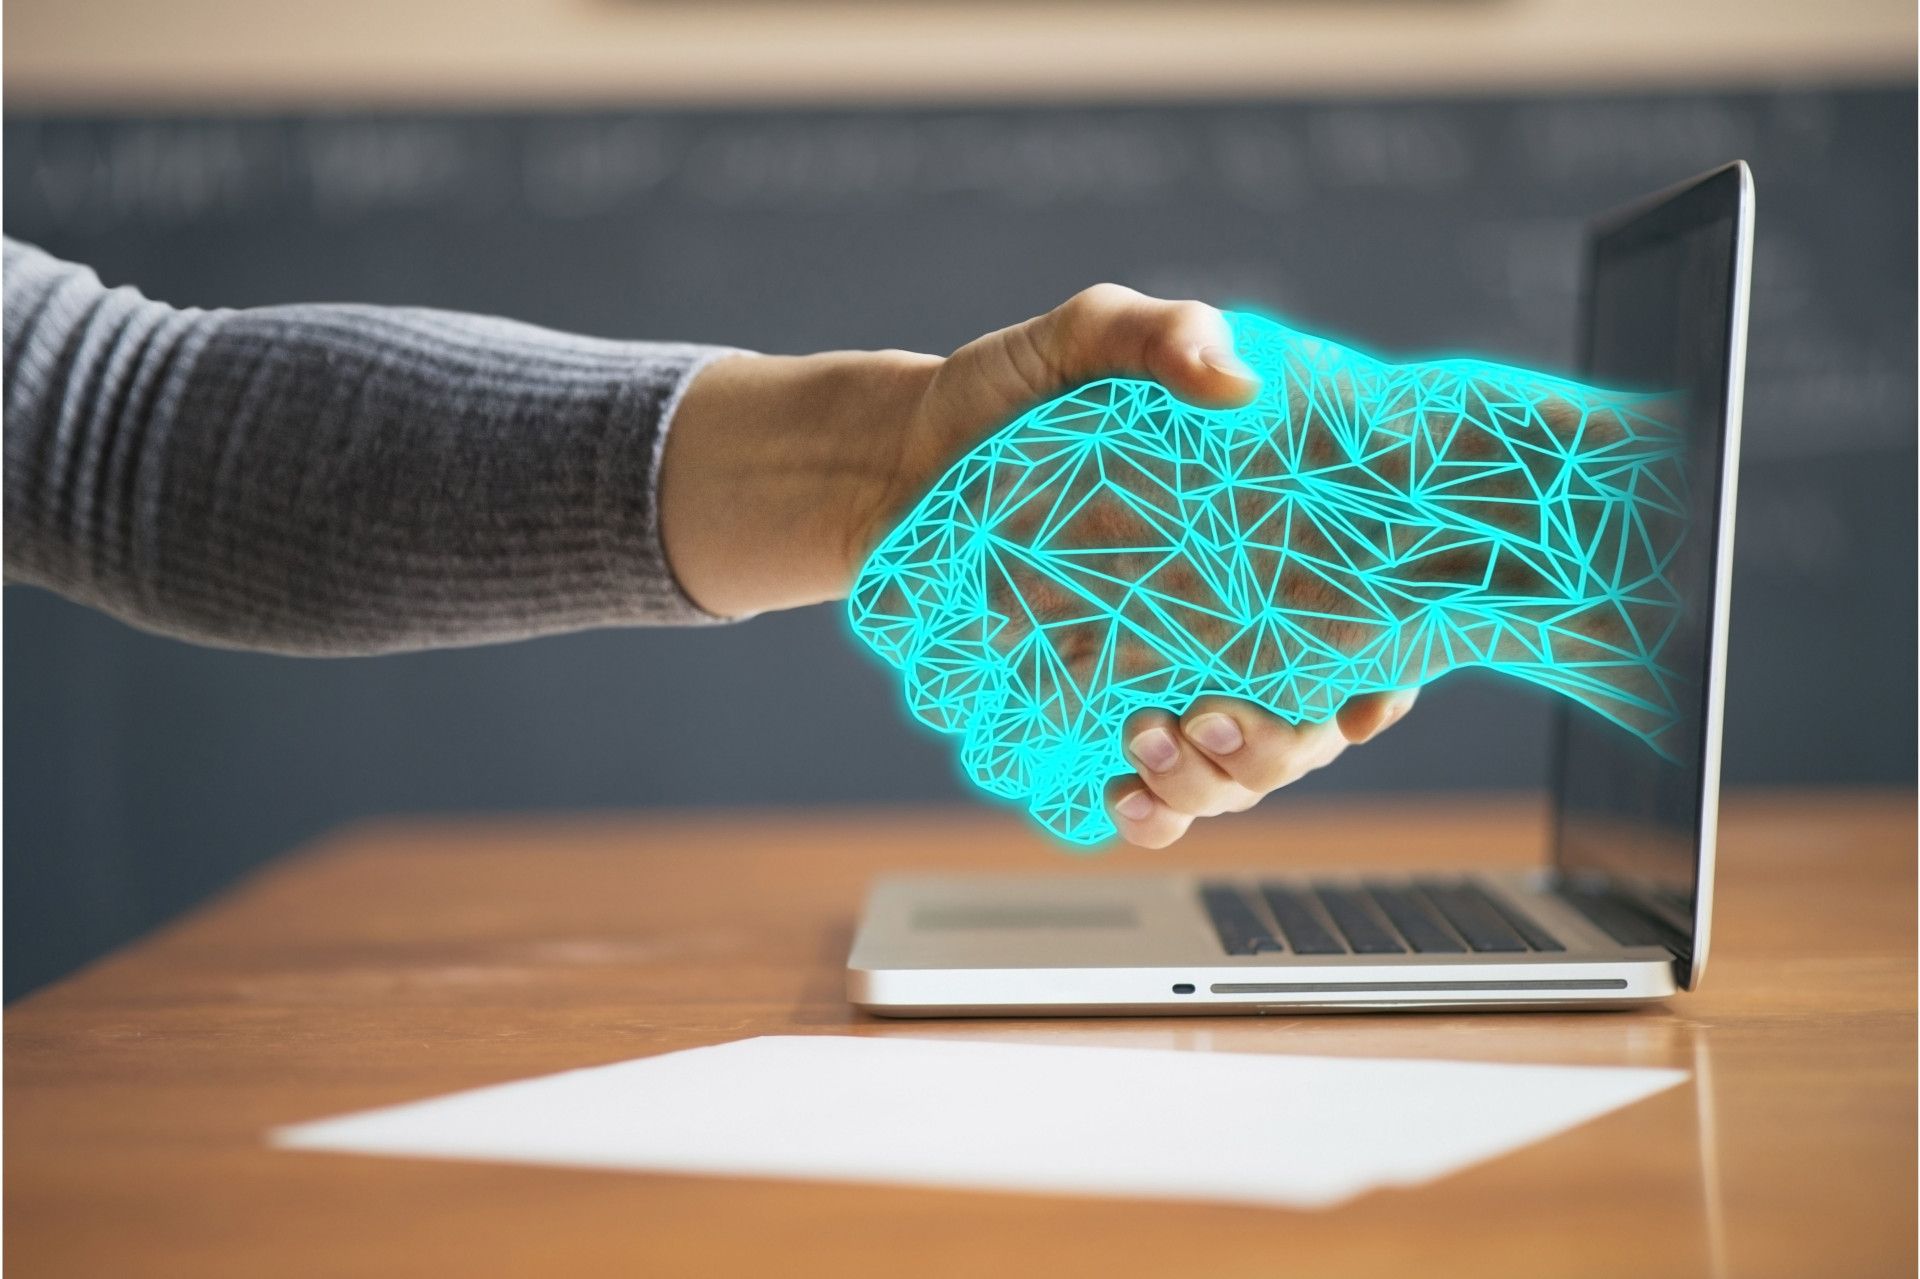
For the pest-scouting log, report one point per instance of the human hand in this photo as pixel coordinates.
(1358, 529)
(781, 474)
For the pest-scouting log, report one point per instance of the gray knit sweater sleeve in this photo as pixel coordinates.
(331, 479)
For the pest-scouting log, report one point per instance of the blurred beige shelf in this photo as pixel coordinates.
(267, 53)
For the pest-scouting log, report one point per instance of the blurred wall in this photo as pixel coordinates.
(226, 52)
(141, 773)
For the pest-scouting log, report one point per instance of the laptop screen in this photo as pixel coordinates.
(1664, 311)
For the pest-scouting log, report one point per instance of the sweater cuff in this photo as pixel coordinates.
(674, 607)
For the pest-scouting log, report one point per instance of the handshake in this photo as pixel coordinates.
(1359, 527)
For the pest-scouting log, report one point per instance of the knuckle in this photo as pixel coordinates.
(1168, 788)
(1268, 770)
(1072, 315)
(1096, 298)
(1086, 311)
(1190, 315)
(1194, 789)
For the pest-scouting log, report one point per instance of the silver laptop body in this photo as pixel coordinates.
(1620, 914)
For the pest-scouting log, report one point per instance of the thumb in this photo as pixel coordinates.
(1105, 331)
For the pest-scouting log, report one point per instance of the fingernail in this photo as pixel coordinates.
(1156, 749)
(1216, 733)
(1222, 359)
(1136, 807)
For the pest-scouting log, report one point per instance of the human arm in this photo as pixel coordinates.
(325, 479)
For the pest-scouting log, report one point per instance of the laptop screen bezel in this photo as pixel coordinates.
(1725, 193)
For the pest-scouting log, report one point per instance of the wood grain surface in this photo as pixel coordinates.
(402, 960)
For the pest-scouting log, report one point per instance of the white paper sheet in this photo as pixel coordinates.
(1299, 1132)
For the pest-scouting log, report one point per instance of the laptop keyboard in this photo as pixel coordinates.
(1422, 917)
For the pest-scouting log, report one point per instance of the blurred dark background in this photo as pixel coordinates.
(141, 774)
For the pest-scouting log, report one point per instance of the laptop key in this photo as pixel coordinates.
(1473, 918)
(1536, 937)
(1417, 921)
(1303, 929)
(1240, 929)
(1363, 932)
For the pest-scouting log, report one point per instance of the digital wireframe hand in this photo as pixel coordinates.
(1360, 527)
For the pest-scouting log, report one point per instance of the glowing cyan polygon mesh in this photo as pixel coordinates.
(1361, 527)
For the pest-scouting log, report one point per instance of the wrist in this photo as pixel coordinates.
(774, 468)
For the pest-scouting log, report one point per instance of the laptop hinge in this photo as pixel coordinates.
(1630, 917)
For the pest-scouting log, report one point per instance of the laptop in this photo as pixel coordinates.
(1619, 915)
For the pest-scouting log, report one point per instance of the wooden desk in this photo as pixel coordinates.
(400, 961)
